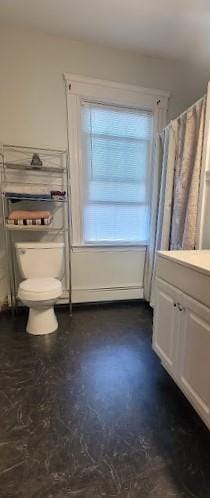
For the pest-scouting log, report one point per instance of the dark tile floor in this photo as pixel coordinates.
(89, 412)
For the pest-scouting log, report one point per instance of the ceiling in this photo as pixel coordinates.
(166, 28)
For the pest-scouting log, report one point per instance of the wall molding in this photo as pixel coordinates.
(98, 271)
(112, 90)
(104, 273)
(108, 248)
(79, 88)
(103, 294)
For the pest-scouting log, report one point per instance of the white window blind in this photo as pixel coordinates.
(116, 172)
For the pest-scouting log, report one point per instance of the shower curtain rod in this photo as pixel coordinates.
(183, 113)
(189, 108)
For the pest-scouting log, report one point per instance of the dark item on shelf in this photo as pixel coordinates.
(58, 195)
(17, 197)
(36, 161)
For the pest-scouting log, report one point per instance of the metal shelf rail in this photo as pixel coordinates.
(18, 175)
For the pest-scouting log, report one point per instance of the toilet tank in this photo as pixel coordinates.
(40, 259)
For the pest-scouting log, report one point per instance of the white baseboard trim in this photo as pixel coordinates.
(99, 295)
(103, 294)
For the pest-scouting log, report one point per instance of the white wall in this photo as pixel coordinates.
(32, 102)
(102, 274)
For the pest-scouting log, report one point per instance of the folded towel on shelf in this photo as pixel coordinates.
(29, 218)
(28, 215)
(28, 221)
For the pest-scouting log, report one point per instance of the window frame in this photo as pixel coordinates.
(78, 89)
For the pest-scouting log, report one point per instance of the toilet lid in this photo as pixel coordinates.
(39, 289)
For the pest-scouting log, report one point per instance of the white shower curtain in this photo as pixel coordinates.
(175, 197)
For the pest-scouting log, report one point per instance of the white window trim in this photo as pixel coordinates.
(79, 88)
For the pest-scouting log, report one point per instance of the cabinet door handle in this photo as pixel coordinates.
(180, 308)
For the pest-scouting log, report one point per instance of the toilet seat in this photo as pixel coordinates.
(39, 289)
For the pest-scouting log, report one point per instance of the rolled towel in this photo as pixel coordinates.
(29, 215)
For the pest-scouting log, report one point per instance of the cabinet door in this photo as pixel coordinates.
(194, 357)
(166, 324)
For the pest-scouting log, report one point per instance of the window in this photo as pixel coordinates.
(116, 173)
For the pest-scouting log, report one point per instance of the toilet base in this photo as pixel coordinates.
(41, 321)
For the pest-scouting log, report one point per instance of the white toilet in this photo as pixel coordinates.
(42, 266)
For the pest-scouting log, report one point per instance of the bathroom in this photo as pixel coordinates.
(104, 266)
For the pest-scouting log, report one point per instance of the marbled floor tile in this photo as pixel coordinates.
(88, 412)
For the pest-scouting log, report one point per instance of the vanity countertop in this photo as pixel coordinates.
(198, 260)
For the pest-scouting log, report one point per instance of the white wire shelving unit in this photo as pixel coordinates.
(28, 186)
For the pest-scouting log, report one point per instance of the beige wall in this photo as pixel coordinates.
(32, 103)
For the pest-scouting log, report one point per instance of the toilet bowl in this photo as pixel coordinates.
(42, 267)
(40, 295)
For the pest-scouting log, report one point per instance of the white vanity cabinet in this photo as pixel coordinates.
(166, 324)
(181, 334)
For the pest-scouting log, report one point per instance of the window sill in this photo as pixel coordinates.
(108, 247)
